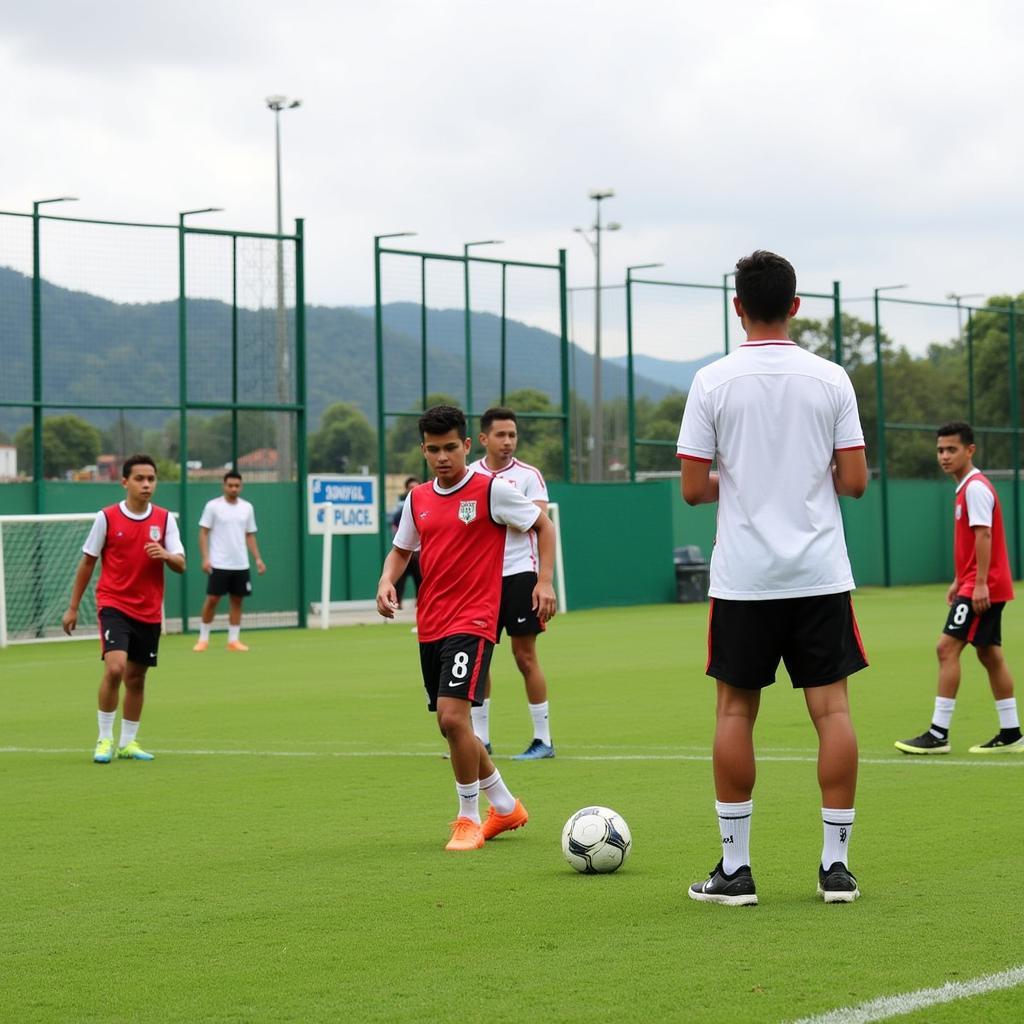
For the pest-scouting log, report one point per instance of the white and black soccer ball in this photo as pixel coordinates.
(596, 840)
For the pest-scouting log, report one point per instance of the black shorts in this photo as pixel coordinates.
(120, 632)
(517, 616)
(229, 581)
(816, 637)
(455, 666)
(984, 630)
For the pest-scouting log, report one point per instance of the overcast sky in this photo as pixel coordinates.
(874, 143)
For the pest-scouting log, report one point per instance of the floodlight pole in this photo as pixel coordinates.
(883, 467)
(284, 431)
(630, 390)
(37, 355)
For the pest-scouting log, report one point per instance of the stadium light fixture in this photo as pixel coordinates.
(466, 246)
(597, 414)
(57, 199)
(205, 209)
(641, 266)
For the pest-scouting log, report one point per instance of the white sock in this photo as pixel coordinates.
(734, 824)
(128, 732)
(106, 720)
(943, 714)
(233, 634)
(204, 630)
(1007, 711)
(469, 800)
(541, 727)
(497, 793)
(838, 824)
(482, 721)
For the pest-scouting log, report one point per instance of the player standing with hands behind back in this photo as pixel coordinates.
(783, 425)
(458, 523)
(135, 539)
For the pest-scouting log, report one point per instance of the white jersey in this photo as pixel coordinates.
(520, 548)
(773, 414)
(228, 523)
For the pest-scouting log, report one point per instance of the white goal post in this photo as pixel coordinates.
(39, 555)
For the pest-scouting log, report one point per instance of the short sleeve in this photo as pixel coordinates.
(511, 507)
(980, 504)
(407, 536)
(93, 545)
(206, 519)
(172, 537)
(250, 522)
(534, 487)
(848, 434)
(697, 436)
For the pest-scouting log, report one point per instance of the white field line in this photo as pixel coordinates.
(896, 1006)
(1003, 761)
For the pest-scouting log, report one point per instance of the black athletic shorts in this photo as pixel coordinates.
(984, 630)
(455, 666)
(516, 616)
(120, 632)
(229, 581)
(816, 637)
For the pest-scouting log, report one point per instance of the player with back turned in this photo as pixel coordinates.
(134, 539)
(458, 523)
(976, 597)
(784, 427)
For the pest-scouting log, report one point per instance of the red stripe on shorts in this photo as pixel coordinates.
(972, 630)
(856, 633)
(711, 611)
(476, 670)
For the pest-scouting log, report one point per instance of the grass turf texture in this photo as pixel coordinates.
(253, 887)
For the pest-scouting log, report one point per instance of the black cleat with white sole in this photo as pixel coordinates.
(735, 890)
(837, 885)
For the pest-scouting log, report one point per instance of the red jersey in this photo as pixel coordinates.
(130, 580)
(1000, 578)
(462, 550)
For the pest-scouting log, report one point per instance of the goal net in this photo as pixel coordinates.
(38, 559)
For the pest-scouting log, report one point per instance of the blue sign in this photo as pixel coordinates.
(342, 504)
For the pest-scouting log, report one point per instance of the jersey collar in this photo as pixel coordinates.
(768, 341)
(137, 516)
(963, 483)
(451, 490)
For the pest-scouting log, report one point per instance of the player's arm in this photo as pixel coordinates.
(204, 548)
(544, 603)
(175, 562)
(699, 486)
(850, 472)
(254, 550)
(394, 565)
(983, 555)
(82, 576)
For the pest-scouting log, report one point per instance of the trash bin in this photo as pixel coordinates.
(692, 576)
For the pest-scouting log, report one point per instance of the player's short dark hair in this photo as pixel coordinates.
(138, 459)
(232, 474)
(957, 428)
(442, 419)
(766, 286)
(497, 412)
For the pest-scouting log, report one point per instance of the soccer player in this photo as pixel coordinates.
(412, 570)
(227, 536)
(499, 438)
(784, 427)
(976, 598)
(458, 523)
(134, 539)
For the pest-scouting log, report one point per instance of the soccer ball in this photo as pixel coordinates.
(596, 840)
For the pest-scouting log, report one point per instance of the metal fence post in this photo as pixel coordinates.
(630, 384)
(1015, 434)
(382, 454)
(37, 369)
(301, 426)
(563, 304)
(970, 367)
(182, 409)
(837, 323)
(883, 469)
(469, 338)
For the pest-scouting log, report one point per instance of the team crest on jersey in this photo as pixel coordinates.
(467, 511)
(154, 533)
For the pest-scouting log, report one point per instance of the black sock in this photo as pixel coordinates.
(1010, 735)
(939, 731)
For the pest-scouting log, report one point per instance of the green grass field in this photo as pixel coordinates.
(282, 858)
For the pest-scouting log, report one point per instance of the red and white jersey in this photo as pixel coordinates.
(520, 548)
(773, 415)
(460, 535)
(977, 504)
(130, 580)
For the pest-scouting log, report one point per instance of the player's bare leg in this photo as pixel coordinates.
(206, 622)
(999, 677)
(465, 751)
(128, 748)
(481, 717)
(1009, 739)
(506, 813)
(235, 623)
(114, 663)
(829, 708)
(733, 751)
(935, 739)
(524, 650)
(948, 651)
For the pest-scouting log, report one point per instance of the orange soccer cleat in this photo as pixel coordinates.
(497, 823)
(466, 835)
(200, 646)
(236, 645)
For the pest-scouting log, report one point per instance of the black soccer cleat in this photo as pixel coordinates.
(926, 743)
(837, 885)
(1006, 741)
(735, 890)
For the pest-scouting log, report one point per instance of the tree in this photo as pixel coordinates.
(69, 443)
(344, 443)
